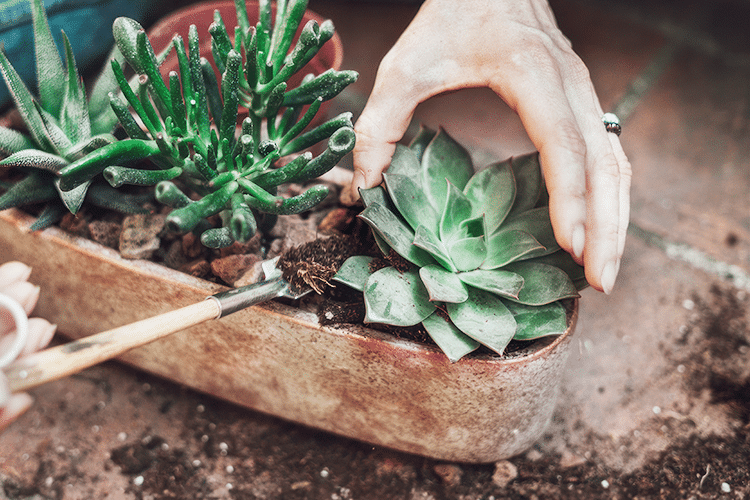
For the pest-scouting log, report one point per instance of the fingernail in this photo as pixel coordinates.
(609, 275)
(579, 240)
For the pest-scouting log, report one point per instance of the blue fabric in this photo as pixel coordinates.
(87, 23)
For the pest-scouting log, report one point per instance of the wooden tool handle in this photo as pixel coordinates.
(61, 361)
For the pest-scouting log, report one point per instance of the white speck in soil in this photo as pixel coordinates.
(229, 469)
(324, 473)
(101, 405)
(164, 446)
(138, 480)
(196, 463)
(605, 484)
(656, 410)
(122, 436)
(680, 368)
(688, 304)
(95, 428)
(204, 438)
(725, 487)
(229, 486)
(49, 481)
(200, 408)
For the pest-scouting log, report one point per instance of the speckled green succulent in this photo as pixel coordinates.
(190, 122)
(63, 127)
(476, 261)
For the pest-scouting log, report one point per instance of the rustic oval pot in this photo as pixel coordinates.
(278, 360)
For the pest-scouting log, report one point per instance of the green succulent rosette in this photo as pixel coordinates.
(479, 264)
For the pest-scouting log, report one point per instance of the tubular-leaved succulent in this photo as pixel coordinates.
(190, 122)
(472, 255)
(63, 127)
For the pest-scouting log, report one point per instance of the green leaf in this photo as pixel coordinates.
(34, 188)
(34, 158)
(444, 158)
(562, 259)
(405, 162)
(355, 271)
(538, 321)
(442, 285)
(468, 253)
(12, 141)
(74, 115)
(73, 199)
(25, 103)
(542, 283)
(537, 223)
(54, 133)
(529, 182)
(421, 141)
(499, 282)
(103, 118)
(456, 209)
(50, 75)
(492, 192)
(396, 298)
(452, 341)
(428, 241)
(411, 202)
(484, 318)
(508, 246)
(396, 233)
(125, 31)
(378, 195)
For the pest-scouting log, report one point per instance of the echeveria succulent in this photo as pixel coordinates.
(63, 127)
(190, 123)
(472, 255)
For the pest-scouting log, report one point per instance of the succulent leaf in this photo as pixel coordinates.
(542, 283)
(443, 159)
(443, 285)
(74, 115)
(509, 245)
(498, 281)
(452, 341)
(537, 223)
(406, 162)
(492, 192)
(538, 321)
(529, 183)
(421, 141)
(396, 298)
(396, 233)
(428, 241)
(73, 198)
(50, 75)
(412, 202)
(33, 158)
(456, 210)
(467, 253)
(484, 317)
(12, 141)
(355, 271)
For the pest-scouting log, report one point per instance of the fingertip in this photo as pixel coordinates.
(14, 272)
(16, 406)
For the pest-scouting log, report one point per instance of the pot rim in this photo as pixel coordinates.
(162, 26)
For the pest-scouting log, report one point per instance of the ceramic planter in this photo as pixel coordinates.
(278, 360)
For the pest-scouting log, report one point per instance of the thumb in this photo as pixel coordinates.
(381, 125)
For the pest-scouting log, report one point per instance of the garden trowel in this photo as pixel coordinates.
(63, 360)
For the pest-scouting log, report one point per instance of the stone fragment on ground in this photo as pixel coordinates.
(139, 238)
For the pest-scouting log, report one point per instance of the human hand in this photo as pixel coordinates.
(515, 48)
(14, 284)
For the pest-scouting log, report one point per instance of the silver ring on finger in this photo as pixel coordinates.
(612, 123)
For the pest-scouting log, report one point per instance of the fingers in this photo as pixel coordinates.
(41, 332)
(13, 272)
(11, 406)
(585, 169)
(381, 125)
(24, 293)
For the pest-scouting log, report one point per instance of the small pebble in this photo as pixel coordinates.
(200, 408)
(324, 473)
(138, 480)
(680, 368)
(688, 304)
(505, 472)
(196, 463)
(605, 484)
(450, 474)
(725, 487)
(122, 436)
(656, 410)
(229, 486)
(229, 469)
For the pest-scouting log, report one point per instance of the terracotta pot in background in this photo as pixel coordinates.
(277, 359)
